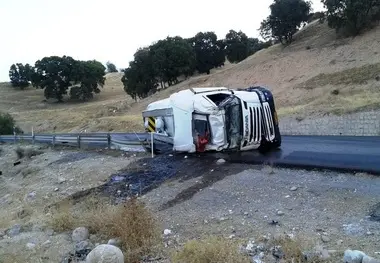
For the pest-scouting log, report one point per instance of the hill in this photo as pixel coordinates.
(315, 75)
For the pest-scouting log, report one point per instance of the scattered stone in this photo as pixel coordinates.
(325, 238)
(80, 234)
(273, 222)
(14, 230)
(83, 245)
(232, 236)
(61, 180)
(277, 252)
(280, 213)
(105, 254)
(353, 256)
(223, 219)
(377, 78)
(220, 161)
(368, 259)
(369, 233)
(293, 188)
(46, 243)
(250, 248)
(30, 245)
(2, 233)
(56, 189)
(167, 232)
(261, 247)
(339, 242)
(114, 242)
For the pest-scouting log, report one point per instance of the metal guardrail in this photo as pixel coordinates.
(123, 141)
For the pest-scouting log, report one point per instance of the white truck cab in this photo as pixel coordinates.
(215, 119)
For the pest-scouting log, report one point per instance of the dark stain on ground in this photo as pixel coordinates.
(149, 173)
(375, 213)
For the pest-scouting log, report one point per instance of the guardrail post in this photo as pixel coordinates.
(14, 134)
(33, 138)
(79, 141)
(151, 142)
(109, 141)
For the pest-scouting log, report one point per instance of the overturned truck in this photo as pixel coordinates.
(215, 119)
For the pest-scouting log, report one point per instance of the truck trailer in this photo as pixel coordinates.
(215, 119)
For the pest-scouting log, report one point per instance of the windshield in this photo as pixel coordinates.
(234, 121)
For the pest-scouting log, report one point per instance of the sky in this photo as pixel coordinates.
(113, 30)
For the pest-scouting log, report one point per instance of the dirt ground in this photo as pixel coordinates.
(193, 196)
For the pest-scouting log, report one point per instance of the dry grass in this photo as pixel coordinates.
(294, 250)
(210, 250)
(357, 75)
(130, 222)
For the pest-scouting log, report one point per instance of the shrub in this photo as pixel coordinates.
(7, 123)
(130, 222)
(210, 250)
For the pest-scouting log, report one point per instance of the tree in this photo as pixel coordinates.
(237, 46)
(20, 75)
(139, 78)
(7, 123)
(351, 16)
(89, 75)
(56, 75)
(208, 51)
(111, 67)
(285, 19)
(172, 57)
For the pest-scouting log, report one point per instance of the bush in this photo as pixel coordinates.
(350, 17)
(210, 250)
(7, 123)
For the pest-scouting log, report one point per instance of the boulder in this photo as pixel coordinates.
(105, 254)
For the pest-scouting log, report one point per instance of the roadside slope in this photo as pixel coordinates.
(316, 75)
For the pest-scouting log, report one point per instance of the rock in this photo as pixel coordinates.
(353, 256)
(56, 189)
(277, 252)
(368, 259)
(61, 180)
(14, 230)
(280, 213)
(105, 254)
(339, 242)
(261, 247)
(220, 161)
(83, 245)
(293, 188)
(80, 234)
(232, 236)
(2, 233)
(46, 243)
(377, 78)
(167, 232)
(369, 233)
(325, 238)
(114, 242)
(30, 245)
(250, 248)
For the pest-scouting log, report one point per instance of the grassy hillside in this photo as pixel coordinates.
(317, 74)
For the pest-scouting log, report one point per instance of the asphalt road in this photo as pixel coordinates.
(343, 153)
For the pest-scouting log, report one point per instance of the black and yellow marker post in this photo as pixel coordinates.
(151, 125)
